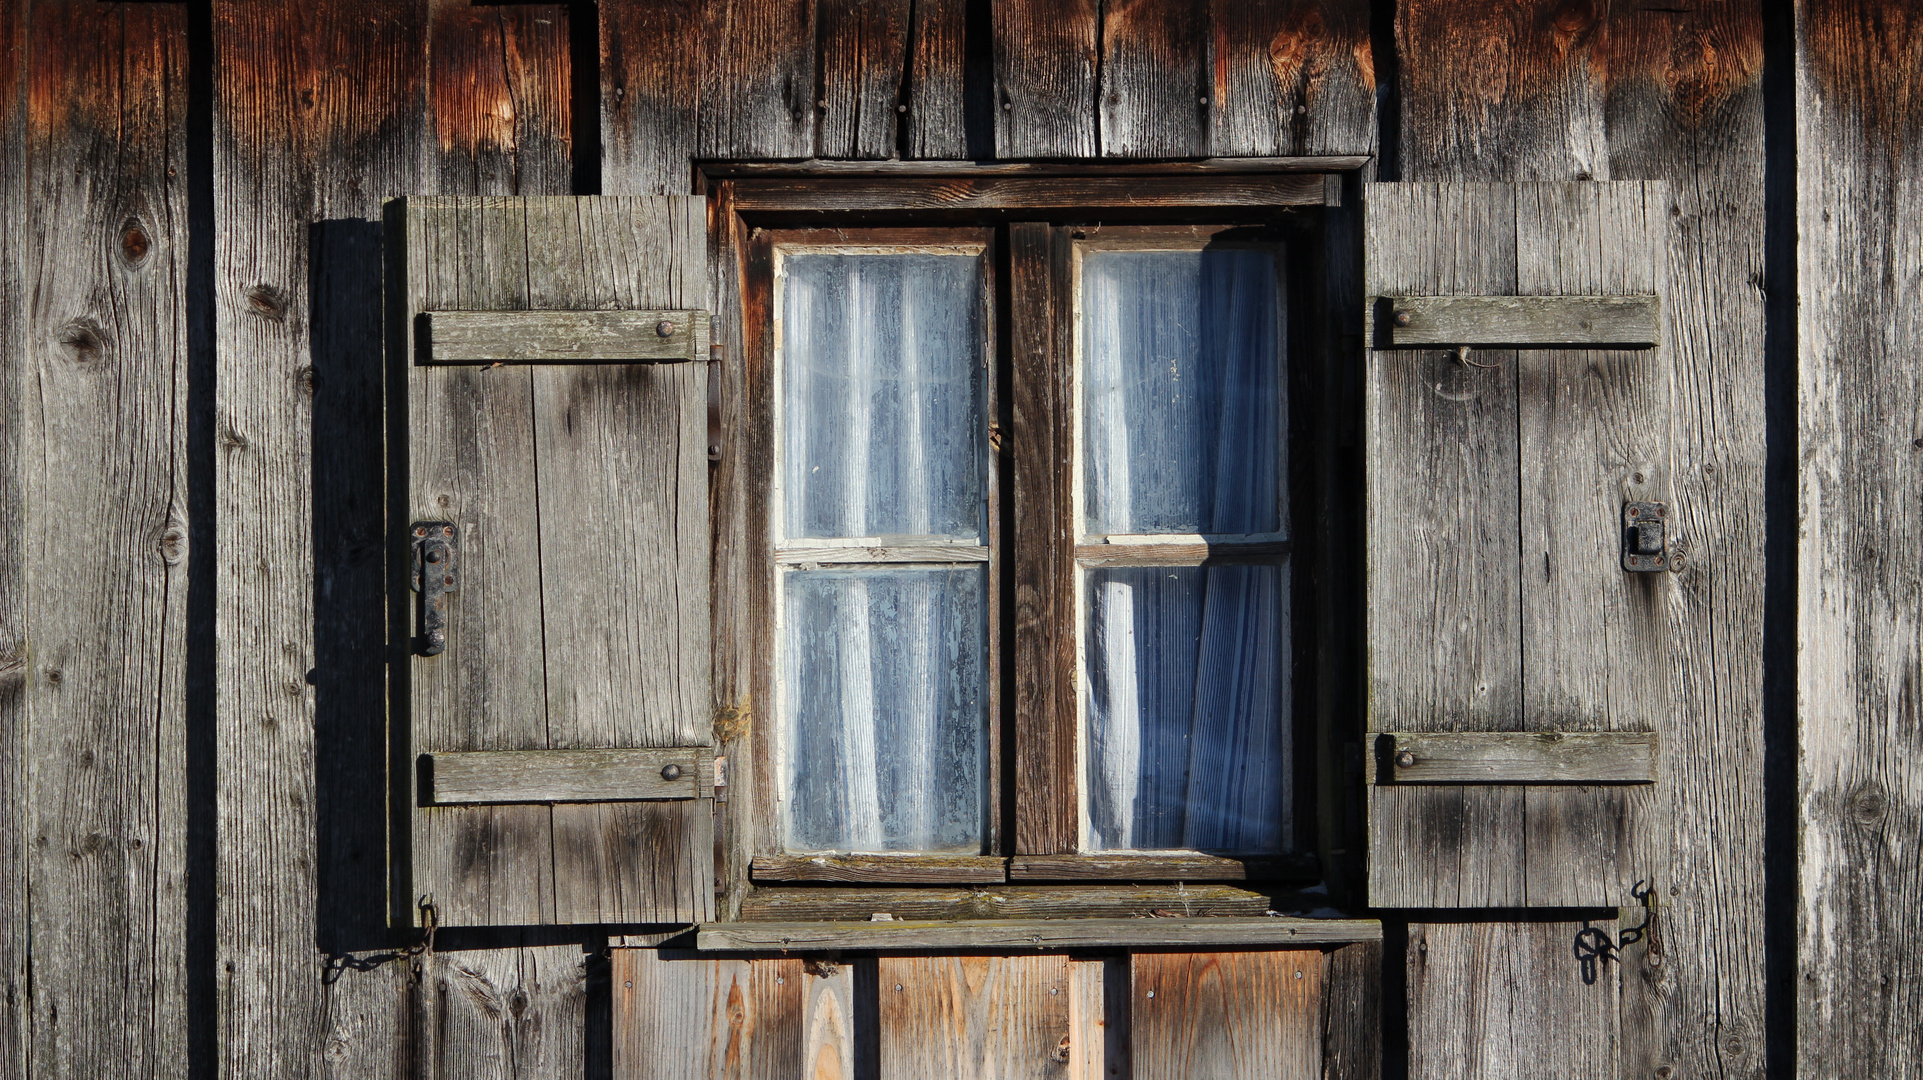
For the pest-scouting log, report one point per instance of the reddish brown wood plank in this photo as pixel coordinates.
(1154, 93)
(758, 79)
(1291, 77)
(499, 98)
(937, 63)
(863, 56)
(1207, 1014)
(972, 1017)
(101, 439)
(649, 95)
(1045, 78)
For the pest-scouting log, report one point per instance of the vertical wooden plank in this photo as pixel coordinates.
(831, 1045)
(15, 1011)
(1352, 1013)
(1045, 78)
(1098, 1000)
(863, 59)
(974, 1017)
(1441, 521)
(651, 58)
(1041, 445)
(1154, 95)
(679, 1017)
(937, 67)
(499, 98)
(1225, 1014)
(1593, 434)
(1494, 999)
(758, 80)
(489, 1014)
(102, 444)
(1290, 77)
(1859, 193)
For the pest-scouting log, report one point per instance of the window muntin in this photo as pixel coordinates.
(881, 522)
(1181, 530)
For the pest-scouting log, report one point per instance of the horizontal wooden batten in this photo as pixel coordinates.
(721, 170)
(816, 903)
(560, 337)
(1550, 322)
(1032, 934)
(1179, 552)
(973, 192)
(907, 553)
(568, 776)
(1522, 757)
(901, 869)
(1160, 866)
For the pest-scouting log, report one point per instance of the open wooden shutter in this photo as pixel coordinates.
(559, 765)
(1518, 650)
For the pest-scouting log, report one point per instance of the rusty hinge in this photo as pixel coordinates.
(714, 403)
(434, 577)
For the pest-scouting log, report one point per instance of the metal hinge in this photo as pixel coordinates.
(434, 576)
(1645, 537)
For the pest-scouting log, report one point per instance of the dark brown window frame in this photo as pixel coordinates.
(1036, 785)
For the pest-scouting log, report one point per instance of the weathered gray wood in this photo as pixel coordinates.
(930, 869)
(758, 79)
(650, 96)
(1045, 78)
(552, 776)
(817, 904)
(558, 337)
(1333, 163)
(1034, 933)
(1352, 1012)
(1291, 77)
(601, 573)
(98, 691)
(1602, 322)
(974, 1016)
(1244, 1013)
(1859, 209)
(1159, 866)
(502, 1013)
(1524, 757)
(937, 81)
(1154, 91)
(837, 193)
(16, 1019)
(862, 66)
(1492, 999)
(698, 1018)
(498, 87)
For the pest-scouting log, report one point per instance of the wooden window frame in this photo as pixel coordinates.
(1036, 815)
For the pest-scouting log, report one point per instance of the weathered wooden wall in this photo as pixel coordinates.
(320, 110)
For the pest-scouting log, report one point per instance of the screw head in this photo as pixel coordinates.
(664, 328)
(671, 771)
(1403, 318)
(421, 531)
(1405, 760)
(435, 554)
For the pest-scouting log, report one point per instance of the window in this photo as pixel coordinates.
(1016, 530)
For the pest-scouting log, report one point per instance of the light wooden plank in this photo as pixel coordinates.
(832, 1047)
(1034, 933)
(15, 798)
(1493, 999)
(827, 904)
(555, 776)
(1097, 1018)
(1225, 1014)
(1160, 866)
(678, 1017)
(1297, 78)
(974, 1017)
(503, 1013)
(96, 636)
(1524, 757)
(558, 337)
(1538, 322)
(907, 869)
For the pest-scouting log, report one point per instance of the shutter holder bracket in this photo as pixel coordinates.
(434, 576)
(1645, 537)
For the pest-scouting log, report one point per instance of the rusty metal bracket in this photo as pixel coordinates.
(435, 575)
(1645, 537)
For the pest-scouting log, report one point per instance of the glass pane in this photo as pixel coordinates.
(881, 365)
(1188, 699)
(885, 709)
(1182, 391)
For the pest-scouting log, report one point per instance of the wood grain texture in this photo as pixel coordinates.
(678, 1017)
(1195, 1015)
(961, 170)
(1069, 933)
(904, 869)
(813, 904)
(16, 1018)
(1160, 866)
(1518, 757)
(1098, 1018)
(99, 694)
(1046, 78)
(1154, 95)
(650, 95)
(1352, 1012)
(1290, 77)
(974, 1017)
(1859, 152)
(558, 337)
(1609, 322)
(500, 1013)
(758, 79)
(937, 74)
(557, 776)
(499, 105)
(1492, 999)
(863, 64)
(840, 194)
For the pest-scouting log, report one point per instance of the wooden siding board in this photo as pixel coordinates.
(490, 1014)
(828, 904)
(863, 65)
(650, 95)
(15, 663)
(1859, 198)
(678, 1017)
(1352, 1012)
(1153, 93)
(499, 110)
(1224, 1014)
(102, 451)
(937, 75)
(1046, 78)
(1290, 77)
(974, 1017)
(758, 79)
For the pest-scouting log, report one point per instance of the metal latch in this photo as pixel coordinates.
(434, 577)
(1645, 537)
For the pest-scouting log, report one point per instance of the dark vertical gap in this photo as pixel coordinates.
(1781, 526)
(1388, 89)
(818, 98)
(598, 1029)
(867, 1018)
(978, 79)
(584, 94)
(1395, 999)
(905, 86)
(1101, 68)
(202, 736)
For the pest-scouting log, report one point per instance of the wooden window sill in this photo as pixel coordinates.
(1162, 866)
(821, 903)
(895, 869)
(1033, 934)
